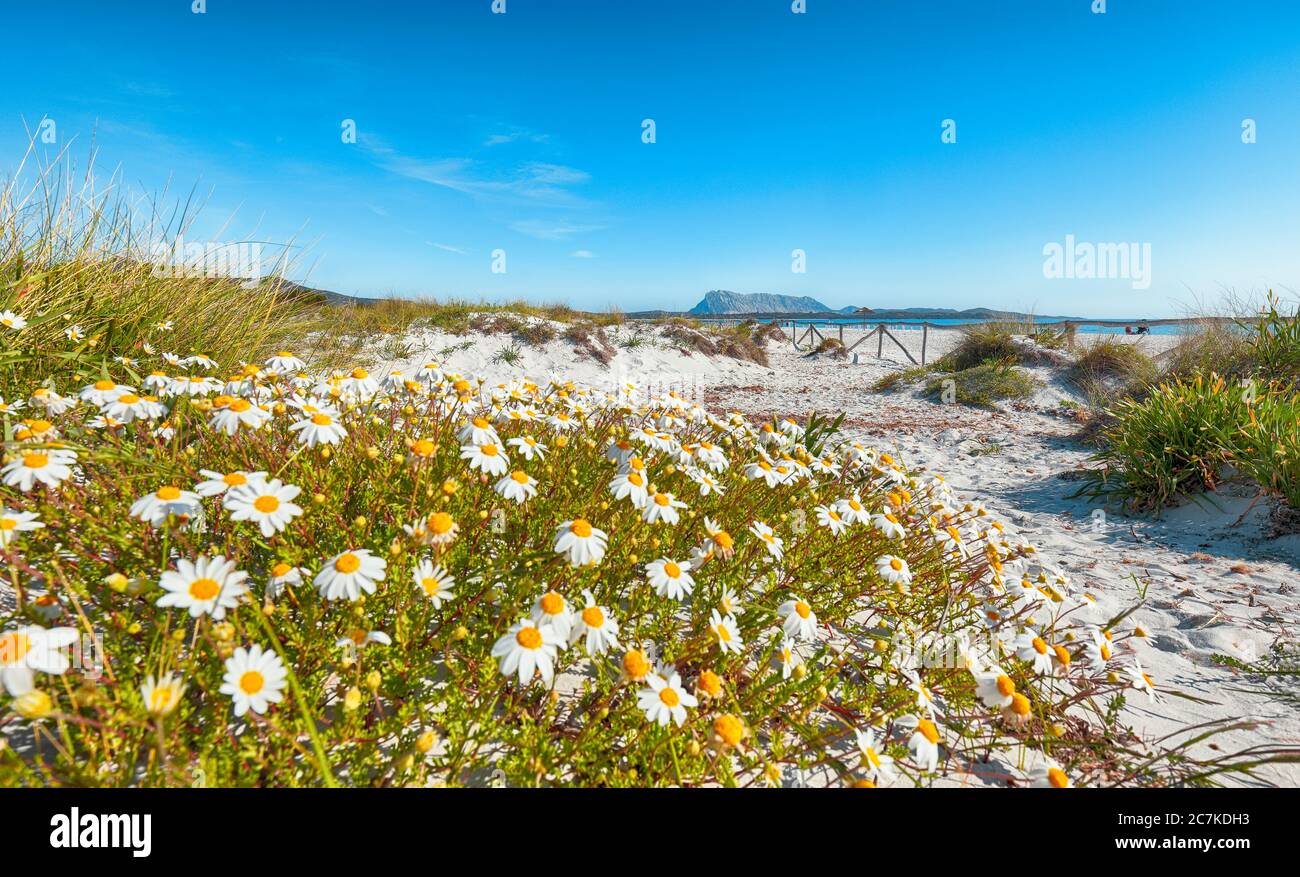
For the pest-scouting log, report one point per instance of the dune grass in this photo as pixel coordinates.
(983, 385)
(75, 269)
(1227, 397)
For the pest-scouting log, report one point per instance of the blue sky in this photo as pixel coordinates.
(774, 132)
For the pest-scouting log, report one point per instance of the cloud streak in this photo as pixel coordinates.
(530, 184)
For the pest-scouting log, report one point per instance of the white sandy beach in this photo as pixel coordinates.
(1215, 582)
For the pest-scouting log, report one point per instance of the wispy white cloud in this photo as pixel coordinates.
(583, 254)
(552, 230)
(512, 135)
(448, 247)
(533, 184)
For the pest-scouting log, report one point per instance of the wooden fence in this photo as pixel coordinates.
(807, 334)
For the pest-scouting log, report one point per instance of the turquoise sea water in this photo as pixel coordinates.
(1083, 328)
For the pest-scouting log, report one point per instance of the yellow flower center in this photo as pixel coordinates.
(1039, 645)
(481, 423)
(802, 608)
(322, 419)
(580, 528)
(104, 385)
(1062, 655)
(169, 493)
(1057, 779)
(729, 730)
(635, 478)
(235, 479)
(280, 569)
(360, 374)
(635, 664)
(488, 450)
(552, 603)
(672, 570)
(926, 729)
(204, 589)
(239, 406)
(1006, 687)
(347, 563)
(422, 448)
(440, 523)
(593, 617)
(128, 398)
(668, 696)
(1020, 704)
(266, 504)
(14, 647)
(519, 476)
(710, 683)
(36, 461)
(895, 564)
(662, 499)
(529, 637)
(251, 682)
(724, 635)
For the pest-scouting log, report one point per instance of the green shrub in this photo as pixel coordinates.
(986, 384)
(1175, 441)
(982, 343)
(1271, 452)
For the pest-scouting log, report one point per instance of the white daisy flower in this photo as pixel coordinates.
(267, 503)
(518, 486)
(799, 620)
(29, 648)
(670, 578)
(166, 502)
(726, 632)
(582, 542)
(487, 458)
(528, 447)
(879, 767)
(240, 412)
(597, 625)
(665, 699)
(893, 569)
(349, 573)
(206, 586)
(283, 575)
(161, 696)
(217, 483)
(49, 467)
(478, 431)
(772, 542)
(434, 582)
(254, 679)
(526, 648)
(11, 320)
(284, 363)
(14, 522)
(662, 507)
(831, 519)
(320, 428)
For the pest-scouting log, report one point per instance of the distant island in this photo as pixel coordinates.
(722, 302)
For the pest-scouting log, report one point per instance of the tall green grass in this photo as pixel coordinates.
(75, 252)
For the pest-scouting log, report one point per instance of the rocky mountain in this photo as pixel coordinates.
(722, 301)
